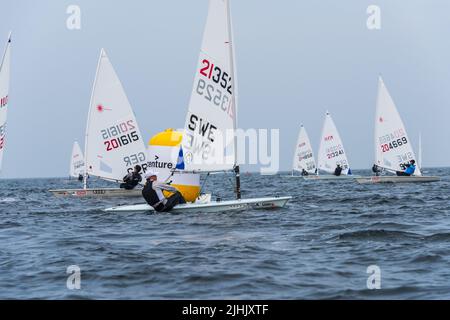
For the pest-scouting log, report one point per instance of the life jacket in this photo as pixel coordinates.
(410, 169)
(149, 194)
(133, 178)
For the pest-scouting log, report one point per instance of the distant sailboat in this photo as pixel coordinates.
(393, 148)
(77, 167)
(113, 144)
(303, 156)
(209, 140)
(331, 154)
(4, 91)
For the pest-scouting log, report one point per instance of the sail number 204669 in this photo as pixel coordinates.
(394, 144)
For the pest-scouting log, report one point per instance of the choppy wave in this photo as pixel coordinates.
(319, 247)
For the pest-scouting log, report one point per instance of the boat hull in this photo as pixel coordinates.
(397, 179)
(211, 207)
(97, 193)
(330, 177)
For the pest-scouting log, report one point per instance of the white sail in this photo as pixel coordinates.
(209, 138)
(4, 92)
(114, 144)
(331, 151)
(304, 157)
(393, 148)
(76, 161)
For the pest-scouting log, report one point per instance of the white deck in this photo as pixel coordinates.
(98, 192)
(213, 206)
(397, 179)
(330, 177)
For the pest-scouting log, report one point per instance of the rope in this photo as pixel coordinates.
(204, 183)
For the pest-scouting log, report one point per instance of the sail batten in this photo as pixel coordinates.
(393, 149)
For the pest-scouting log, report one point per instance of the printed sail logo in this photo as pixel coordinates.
(101, 108)
(160, 164)
(3, 102)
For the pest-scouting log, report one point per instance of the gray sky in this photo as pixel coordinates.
(295, 60)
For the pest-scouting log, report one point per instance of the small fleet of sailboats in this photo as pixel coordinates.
(331, 155)
(114, 145)
(393, 149)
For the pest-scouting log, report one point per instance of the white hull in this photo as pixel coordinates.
(211, 207)
(98, 192)
(330, 177)
(397, 179)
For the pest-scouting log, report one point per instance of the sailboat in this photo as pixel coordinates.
(331, 154)
(77, 167)
(209, 140)
(113, 142)
(393, 148)
(303, 155)
(4, 91)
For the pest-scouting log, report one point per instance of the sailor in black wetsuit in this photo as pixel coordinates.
(376, 170)
(338, 170)
(153, 194)
(132, 179)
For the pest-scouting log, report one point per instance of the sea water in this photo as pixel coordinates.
(324, 245)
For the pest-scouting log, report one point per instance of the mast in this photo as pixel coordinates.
(233, 98)
(86, 139)
(420, 151)
(4, 111)
(375, 140)
(6, 49)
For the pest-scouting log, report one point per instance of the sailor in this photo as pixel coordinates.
(80, 177)
(410, 169)
(132, 179)
(153, 193)
(376, 170)
(304, 172)
(338, 170)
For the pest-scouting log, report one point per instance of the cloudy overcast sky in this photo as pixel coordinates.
(296, 59)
